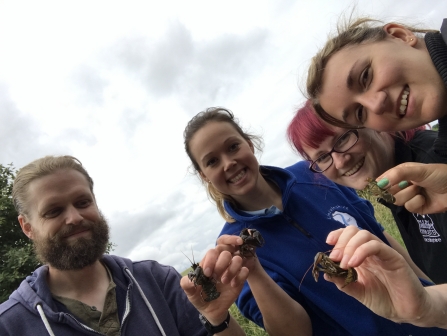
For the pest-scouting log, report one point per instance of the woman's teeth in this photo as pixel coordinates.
(355, 169)
(238, 177)
(404, 102)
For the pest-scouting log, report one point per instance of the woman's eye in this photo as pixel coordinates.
(360, 114)
(364, 77)
(234, 147)
(323, 158)
(342, 139)
(211, 162)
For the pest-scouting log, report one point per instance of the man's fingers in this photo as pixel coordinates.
(188, 286)
(232, 270)
(240, 278)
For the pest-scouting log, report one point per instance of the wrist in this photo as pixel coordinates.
(255, 269)
(434, 313)
(214, 326)
(216, 319)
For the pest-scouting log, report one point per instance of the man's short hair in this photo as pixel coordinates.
(39, 168)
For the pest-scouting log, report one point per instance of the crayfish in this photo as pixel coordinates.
(199, 279)
(373, 189)
(252, 239)
(324, 264)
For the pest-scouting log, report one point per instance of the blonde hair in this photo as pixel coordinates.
(39, 168)
(216, 114)
(349, 32)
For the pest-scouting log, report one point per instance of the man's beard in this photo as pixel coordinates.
(66, 256)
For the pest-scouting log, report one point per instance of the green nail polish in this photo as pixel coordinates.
(383, 183)
(403, 184)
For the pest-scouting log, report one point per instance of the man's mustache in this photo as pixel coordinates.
(71, 229)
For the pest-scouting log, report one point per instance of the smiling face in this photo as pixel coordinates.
(64, 222)
(225, 159)
(369, 157)
(389, 85)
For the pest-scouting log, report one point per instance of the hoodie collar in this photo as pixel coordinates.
(281, 177)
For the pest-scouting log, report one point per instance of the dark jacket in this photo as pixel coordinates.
(437, 48)
(425, 236)
(160, 285)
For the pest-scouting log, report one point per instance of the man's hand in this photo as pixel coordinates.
(230, 274)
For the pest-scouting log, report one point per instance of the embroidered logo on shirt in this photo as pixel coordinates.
(344, 218)
(427, 228)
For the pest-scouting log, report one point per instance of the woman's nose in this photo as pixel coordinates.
(374, 102)
(339, 159)
(229, 163)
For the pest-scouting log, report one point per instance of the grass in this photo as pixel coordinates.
(383, 216)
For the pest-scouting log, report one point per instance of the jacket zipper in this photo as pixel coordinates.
(296, 225)
(84, 326)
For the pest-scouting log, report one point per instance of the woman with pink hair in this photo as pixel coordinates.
(350, 156)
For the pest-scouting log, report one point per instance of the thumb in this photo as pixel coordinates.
(188, 286)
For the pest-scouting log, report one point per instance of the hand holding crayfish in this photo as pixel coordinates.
(251, 239)
(244, 246)
(385, 284)
(421, 188)
(322, 263)
(229, 274)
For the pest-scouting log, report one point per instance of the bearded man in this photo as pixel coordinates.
(81, 291)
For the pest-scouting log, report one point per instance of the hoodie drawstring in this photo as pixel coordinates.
(146, 301)
(44, 319)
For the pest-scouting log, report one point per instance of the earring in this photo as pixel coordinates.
(411, 39)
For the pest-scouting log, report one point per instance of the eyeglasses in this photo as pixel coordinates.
(342, 145)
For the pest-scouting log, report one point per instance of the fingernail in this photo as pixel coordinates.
(329, 239)
(403, 184)
(207, 271)
(383, 183)
(352, 261)
(335, 255)
(344, 261)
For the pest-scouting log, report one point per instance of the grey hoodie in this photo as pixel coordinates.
(149, 298)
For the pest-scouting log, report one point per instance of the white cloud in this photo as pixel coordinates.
(115, 83)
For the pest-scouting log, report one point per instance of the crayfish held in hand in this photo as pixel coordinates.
(252, 239)
(324, 264)
(373, 189)
(208, 284)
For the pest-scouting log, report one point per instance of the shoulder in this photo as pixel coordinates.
(424, 137)
(159, 272)
(7, 306)
(142, 269)
(303, 174)
(300, 166)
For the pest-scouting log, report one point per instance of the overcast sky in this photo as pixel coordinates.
(114, 83)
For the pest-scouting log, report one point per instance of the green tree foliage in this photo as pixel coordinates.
(17, 258)
(435, 127)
